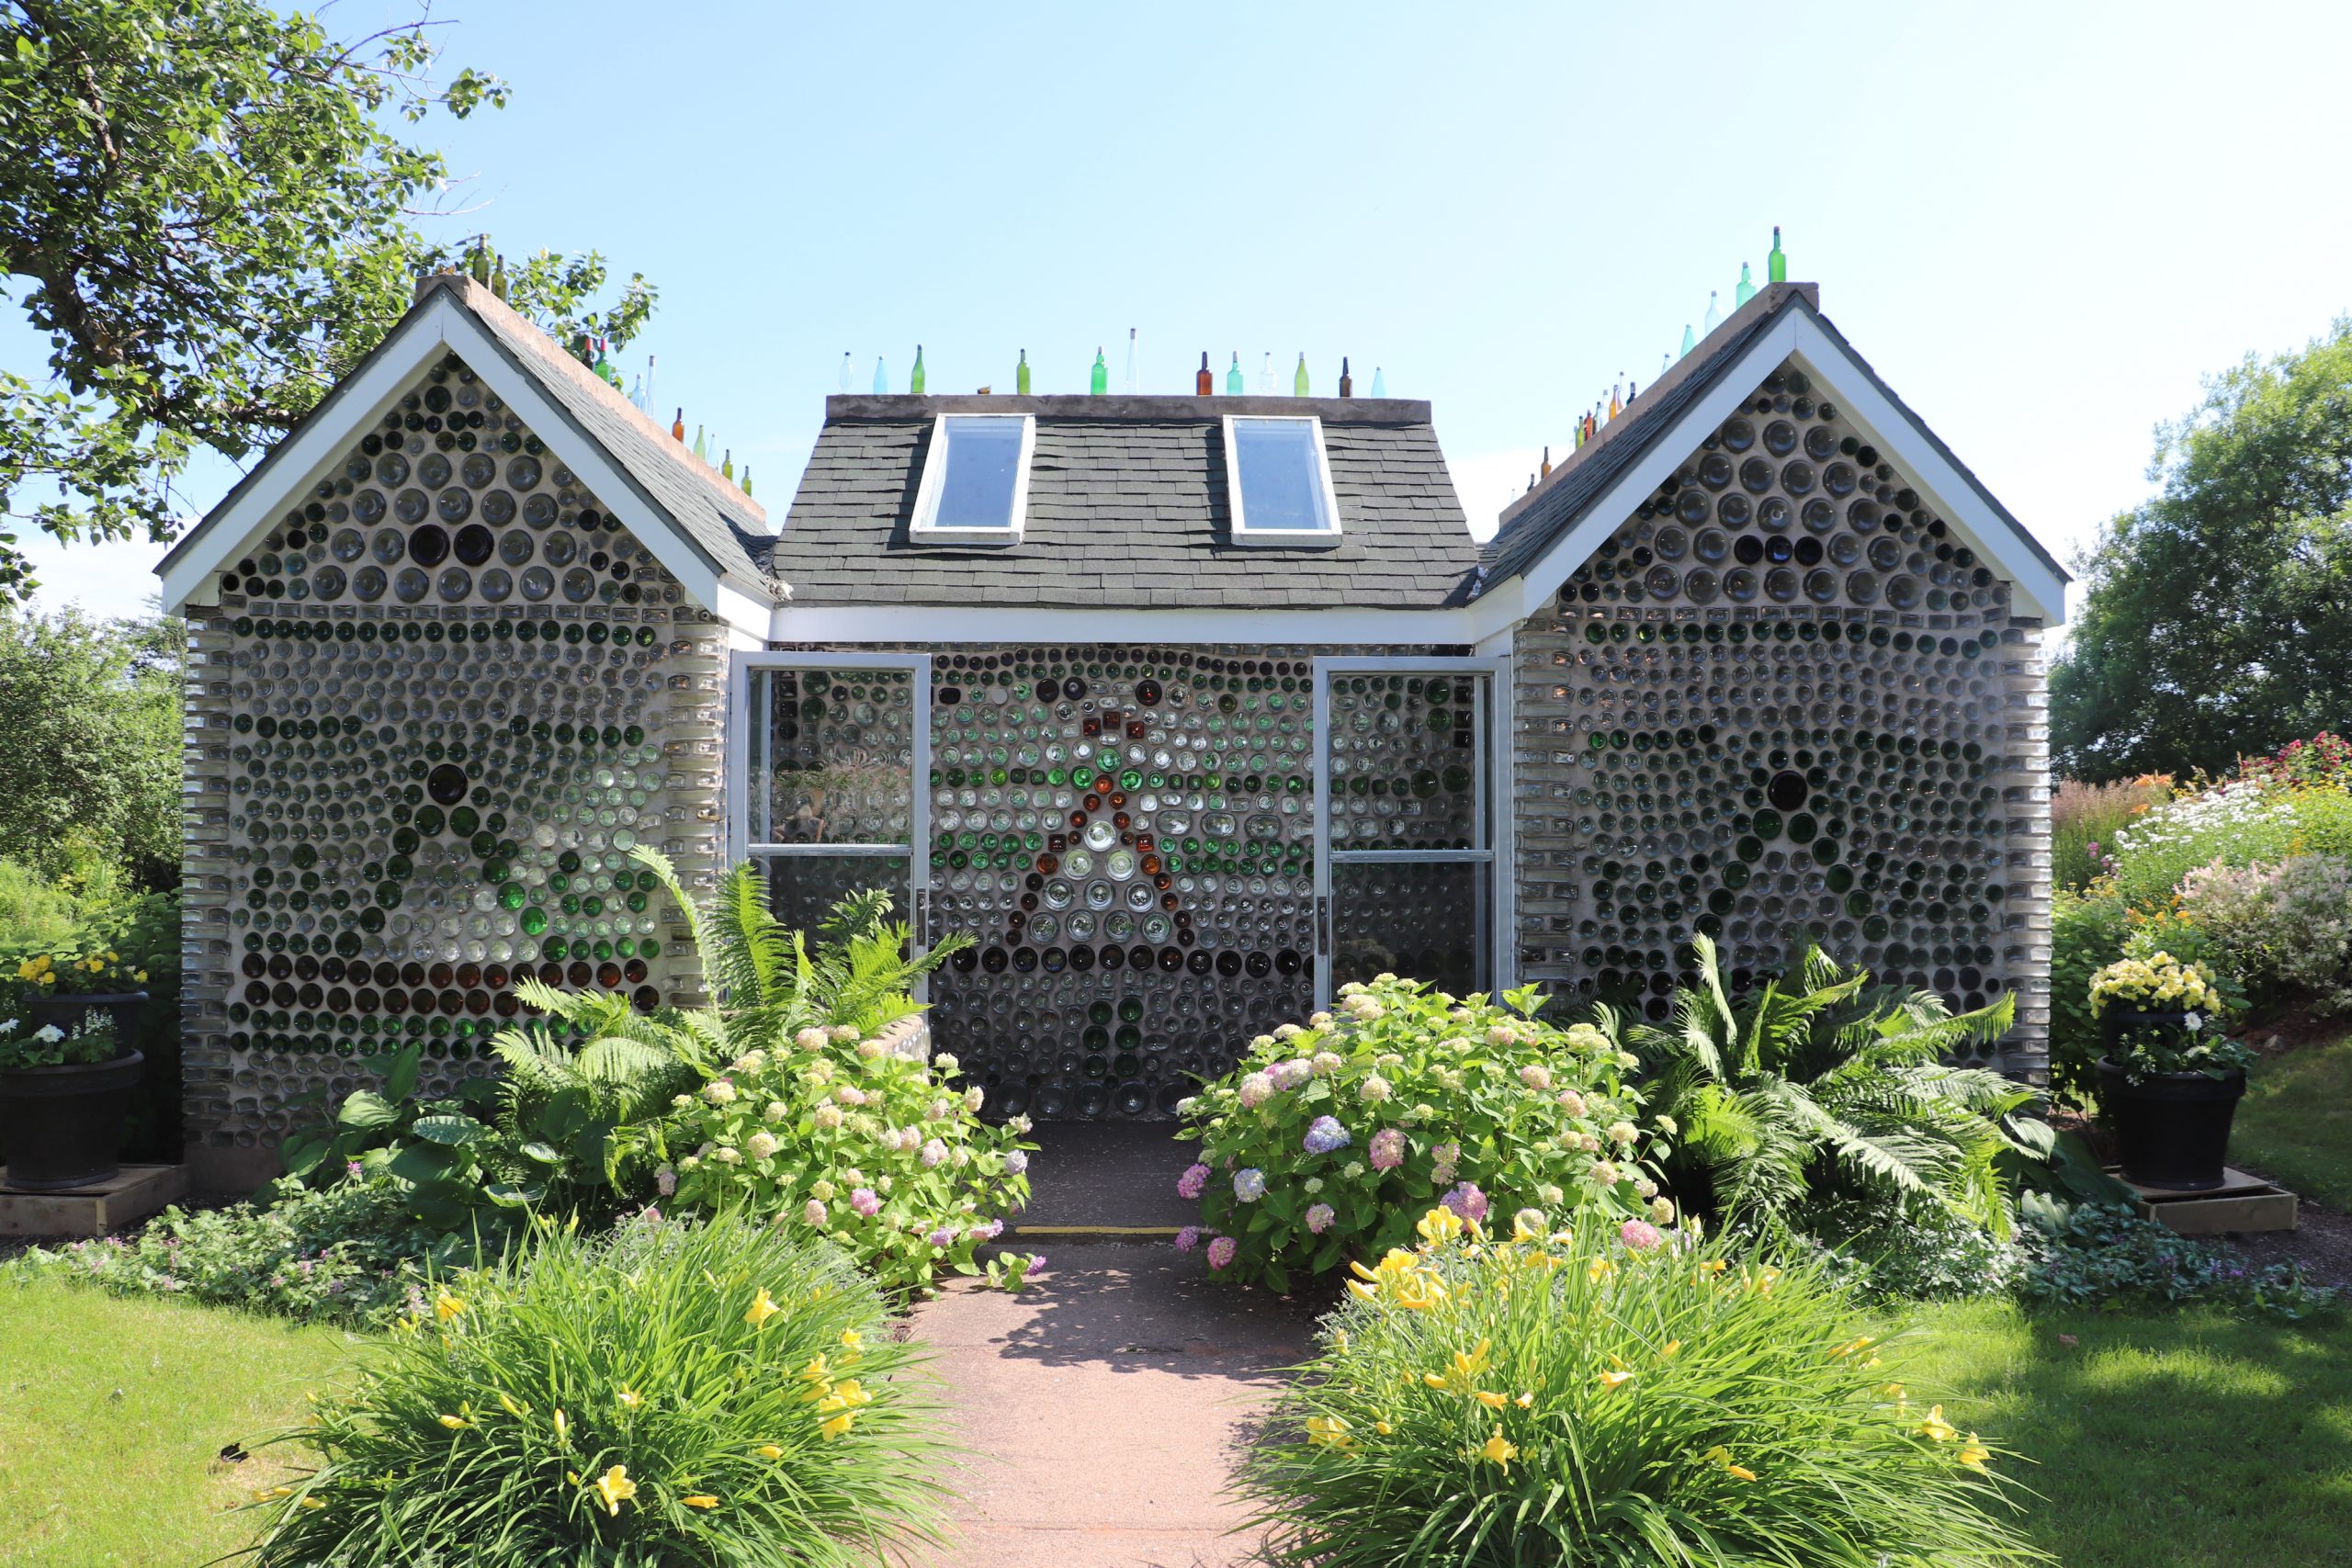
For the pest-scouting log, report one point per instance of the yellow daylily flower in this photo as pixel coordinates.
(1613, 1381)
(838, 1424)
(1859, 1342)
(1499, 1450)
(852, 1341)
(1936, 1426)
(700, 1500)
(768, 1451)
(1722, 1456)
(512, 1408)
(1382, 1428)
(314, 1503)
(1599, 1269)
(616, 1488)
(763, 1308)
(1362, 1291)
(630, 1399)
(1672, 1348)
(1490, 1400)
(1328, 1432)
(562, 1428)
(455, 1422)
(1461, 1375)
(1973, 1454)
(1525, 1400)
(1438, 1225)
(446, 1306)
(818, 1376)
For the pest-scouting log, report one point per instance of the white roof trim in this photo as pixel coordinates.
(844, 624)
(2038, 589)
(300, 461)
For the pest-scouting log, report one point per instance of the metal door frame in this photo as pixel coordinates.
(1495, 742)
(747, 740)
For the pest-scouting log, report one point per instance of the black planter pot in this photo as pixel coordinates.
(62, 1126)
(2172, 1130)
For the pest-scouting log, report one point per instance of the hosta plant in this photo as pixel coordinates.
(1607, 1395)
(689, 1393)
(1330, 1140)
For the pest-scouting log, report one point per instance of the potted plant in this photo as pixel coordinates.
(2170, 1081)
(66, 1078)
(63, 1092)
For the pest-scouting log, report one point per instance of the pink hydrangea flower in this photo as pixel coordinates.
(932, 1152)
(1388, 1149)
(943, 1237)
(665, 1182)
(1221, 1251)
(866, 1202)
(1535, 1076)
(1189, 1237)
(813, 1212)
(1319, 1218)
(1639, 1235)
(1195, 1180)
(1466, 1201)
(1256, 1089)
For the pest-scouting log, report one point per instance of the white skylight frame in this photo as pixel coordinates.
(923, 529)
(1243, 532)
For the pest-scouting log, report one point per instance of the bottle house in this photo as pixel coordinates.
(1189, 708)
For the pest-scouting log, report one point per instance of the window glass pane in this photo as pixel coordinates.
(983, 459)
(840, 758)
(1423, 919)
(1281, 485)
(803, 889)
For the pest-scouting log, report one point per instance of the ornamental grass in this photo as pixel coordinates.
(1610, 1395)
(674, 1393)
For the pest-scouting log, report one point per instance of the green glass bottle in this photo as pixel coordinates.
(914, 378)
(1776, 268)
(1021, 374)
(747, 479)
(1234, 385)
(1100, 381)
(1747, 289)
(1298, 381)
(1689, 340)
(727, 467)
(702, 448)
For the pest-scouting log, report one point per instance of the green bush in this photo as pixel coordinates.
(1820, 1083)
(347, 1255)
(35, 913)
(674, 1393)
(2083, 822)
(2086, 934)
(1893, 1252)
(2237, 823)
(1329, 1141)
(1613, 1397)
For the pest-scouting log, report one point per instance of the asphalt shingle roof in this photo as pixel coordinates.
(1127, 509)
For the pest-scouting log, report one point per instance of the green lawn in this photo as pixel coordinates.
(2175, 1440)
(112, 1413)
(2295, 1123)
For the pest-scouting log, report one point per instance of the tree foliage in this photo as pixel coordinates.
(2216, 620)
(207, 212)
(90, 745)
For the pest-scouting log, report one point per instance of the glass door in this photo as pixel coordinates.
(830, 782)
(1412, 824)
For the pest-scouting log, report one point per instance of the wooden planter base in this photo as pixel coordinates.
(2241, 1202)
(115, 1204)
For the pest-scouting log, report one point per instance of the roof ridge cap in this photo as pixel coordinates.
(477, 297)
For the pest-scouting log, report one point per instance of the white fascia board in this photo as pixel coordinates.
(841, 624)
(302, 460)
(1513, 602)
(746, 618)
(2039, 590)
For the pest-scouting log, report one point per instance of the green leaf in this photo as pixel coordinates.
(456, 1131)
(422, 1163)
(535, 1150)
(400, 1082)
(365, 1110)
(302, 1152)
(513, 1195)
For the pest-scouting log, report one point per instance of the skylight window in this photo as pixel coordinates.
(975, 486)
(1278, 482)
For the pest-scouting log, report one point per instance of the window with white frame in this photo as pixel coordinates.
(975, 488)
(1278, 480)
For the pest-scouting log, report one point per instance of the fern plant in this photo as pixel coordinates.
(1822, 1083)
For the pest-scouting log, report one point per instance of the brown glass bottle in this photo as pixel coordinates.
(1347, 382)
(1204, 383)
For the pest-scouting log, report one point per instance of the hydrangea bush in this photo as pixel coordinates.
(1607, 1395)
(1331, 1139)
(841, 1134)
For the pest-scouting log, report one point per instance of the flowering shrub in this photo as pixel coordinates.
(2162, 983)
(846, 1138)
(2083, 821)
(1328, 1140)
(83, 969)
(348, 1254)
(2289, 923)
(1608, 1394)
(2237, 822)
(673, 1392)
(2086, 933)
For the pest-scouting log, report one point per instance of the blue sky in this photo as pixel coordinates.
(2041, 224)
